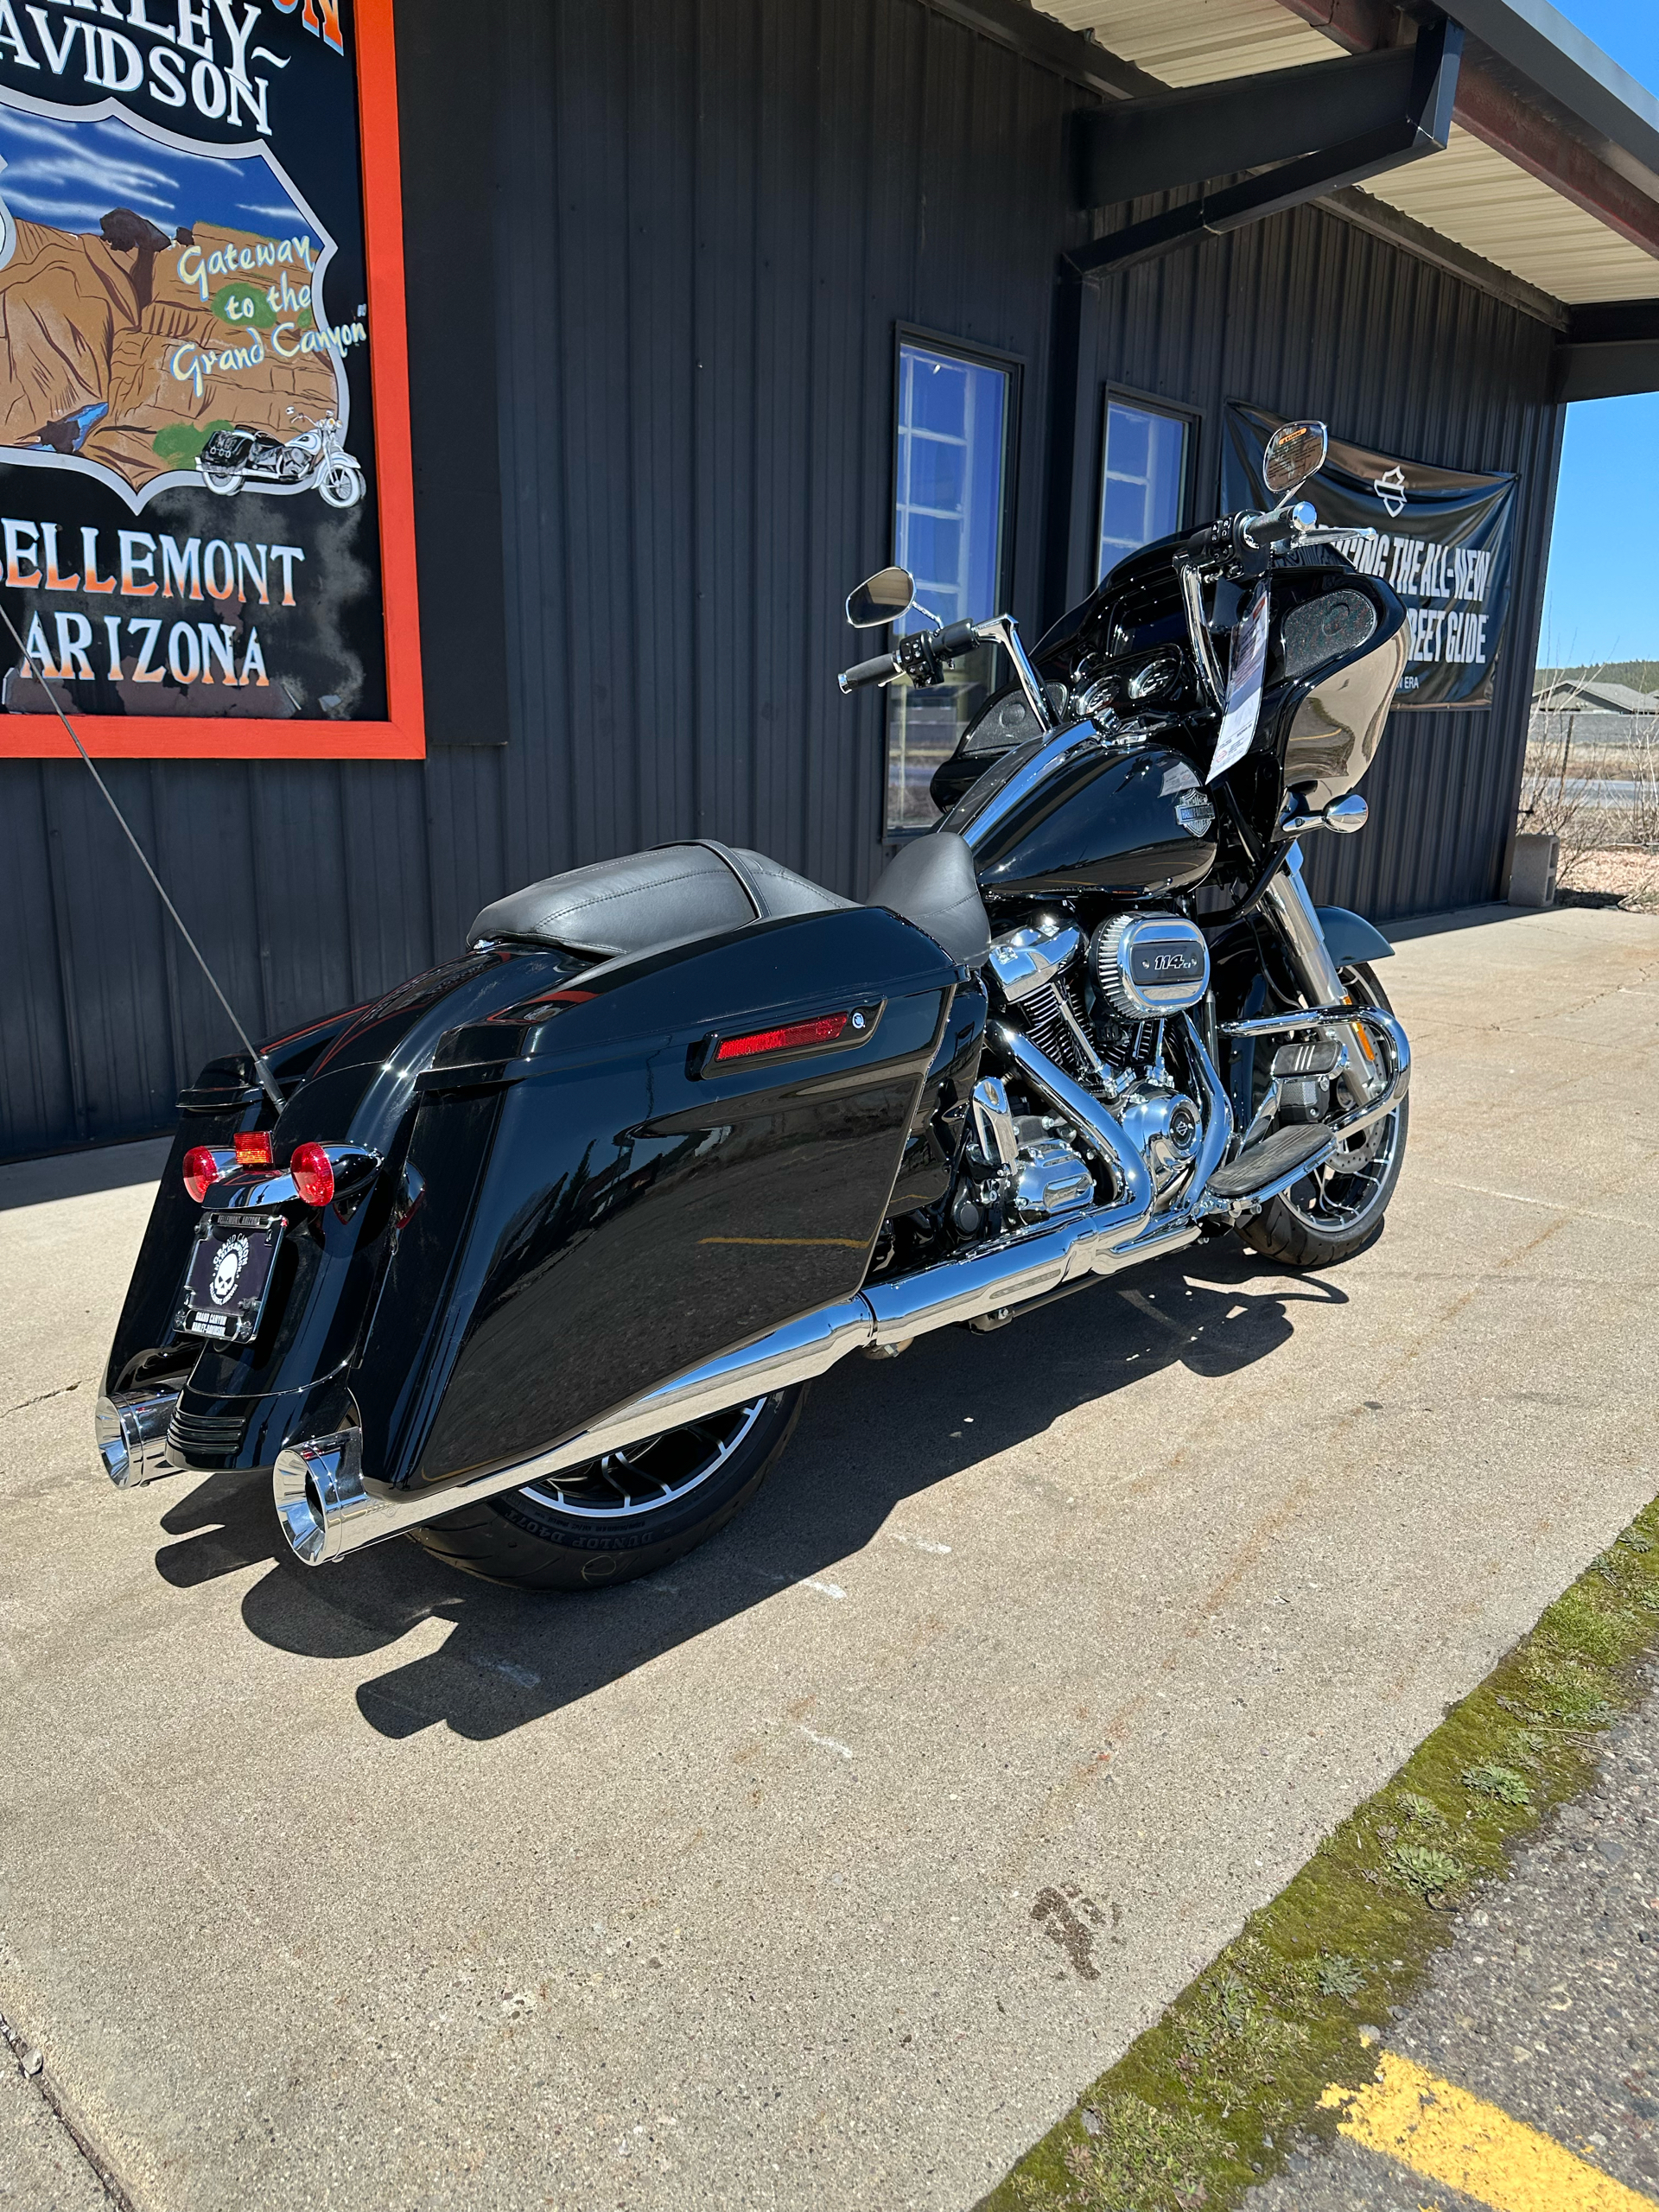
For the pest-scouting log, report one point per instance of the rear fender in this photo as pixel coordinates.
(350, 1078)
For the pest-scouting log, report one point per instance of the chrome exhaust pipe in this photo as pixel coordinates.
(131, 1430)
(329, 1508)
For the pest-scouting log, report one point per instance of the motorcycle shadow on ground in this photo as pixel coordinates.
(872, 1436)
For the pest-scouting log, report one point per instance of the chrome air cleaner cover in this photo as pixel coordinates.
(1150, 965)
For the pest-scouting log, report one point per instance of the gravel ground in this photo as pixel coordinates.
(1547, 2004)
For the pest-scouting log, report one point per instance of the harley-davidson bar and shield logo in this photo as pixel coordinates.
(190, 486)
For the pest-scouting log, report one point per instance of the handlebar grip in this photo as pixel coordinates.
(1268, 529)
(879, 671)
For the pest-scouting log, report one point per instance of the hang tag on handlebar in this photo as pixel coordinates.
(1243, 706)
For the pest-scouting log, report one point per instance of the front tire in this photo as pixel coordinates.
(626, 1514)
(341, 483)
(1336, 1212)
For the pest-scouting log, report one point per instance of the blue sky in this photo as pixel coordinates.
(1602, 602)
(70, 173)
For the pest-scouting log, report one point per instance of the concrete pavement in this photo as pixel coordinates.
(824, 1869)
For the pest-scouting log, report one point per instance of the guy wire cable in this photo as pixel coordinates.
(267, 1080)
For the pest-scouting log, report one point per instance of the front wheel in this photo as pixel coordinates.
(624, 1515)
(1338, 1209)
(341, 483)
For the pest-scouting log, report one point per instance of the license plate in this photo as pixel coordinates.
(229, 1276)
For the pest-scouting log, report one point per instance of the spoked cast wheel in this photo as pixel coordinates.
(1338, 1209)
(625, 1514)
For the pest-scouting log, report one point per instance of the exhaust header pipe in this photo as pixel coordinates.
(329, 1508)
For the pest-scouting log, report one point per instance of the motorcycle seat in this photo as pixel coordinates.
(633, 905)
(645, 899)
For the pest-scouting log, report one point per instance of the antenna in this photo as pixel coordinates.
(267, 1080)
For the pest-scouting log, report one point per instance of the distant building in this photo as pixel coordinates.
(1587, 711)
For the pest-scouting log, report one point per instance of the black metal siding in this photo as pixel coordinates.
(696, 228)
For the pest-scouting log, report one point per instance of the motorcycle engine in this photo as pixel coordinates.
(1150, 965)
(1145, 968)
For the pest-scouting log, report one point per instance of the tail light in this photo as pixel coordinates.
(204, 1166)
(793, 1037)
(252, 1148)
(313, 1173)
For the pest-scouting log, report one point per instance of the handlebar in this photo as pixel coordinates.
(1270, 528)
(882, 669)
(922, 657)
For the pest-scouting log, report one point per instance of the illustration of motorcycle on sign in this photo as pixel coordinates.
(233, 458)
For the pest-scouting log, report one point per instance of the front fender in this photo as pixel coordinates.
(1349, 938)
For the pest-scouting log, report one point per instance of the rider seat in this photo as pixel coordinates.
(695, 889)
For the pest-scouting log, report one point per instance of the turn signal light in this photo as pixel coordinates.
(312, 1172)
(204, 1166)
(790, 1039)
(252, 1148)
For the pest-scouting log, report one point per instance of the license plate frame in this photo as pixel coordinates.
(225, 1293)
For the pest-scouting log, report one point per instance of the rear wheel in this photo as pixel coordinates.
(1338, 1209)
(624, 1515)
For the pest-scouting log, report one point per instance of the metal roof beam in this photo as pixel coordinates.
(1417, 123)
(1533, 133)
(1140, 146)
(1607, 372)
(1611, 349)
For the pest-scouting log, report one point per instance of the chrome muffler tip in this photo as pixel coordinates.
(317, 1488)
(131, 1430)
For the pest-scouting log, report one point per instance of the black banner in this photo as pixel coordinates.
(1444, 539)
(188, 495)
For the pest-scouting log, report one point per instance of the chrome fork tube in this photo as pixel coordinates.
(1287, 900)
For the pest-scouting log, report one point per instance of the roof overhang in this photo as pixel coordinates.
(1547, 186)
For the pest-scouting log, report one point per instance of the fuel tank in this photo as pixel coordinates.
(1134, 821)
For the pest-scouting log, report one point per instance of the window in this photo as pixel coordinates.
(951, 469)
(1143, 485)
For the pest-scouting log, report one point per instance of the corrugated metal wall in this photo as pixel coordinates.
(704, 220)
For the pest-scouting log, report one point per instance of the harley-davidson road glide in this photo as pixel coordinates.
(541, 1250)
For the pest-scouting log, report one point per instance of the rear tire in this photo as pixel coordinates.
(1305, 1227)
(523, 1538)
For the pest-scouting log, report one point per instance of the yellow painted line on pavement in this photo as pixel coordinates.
(1445, 2135)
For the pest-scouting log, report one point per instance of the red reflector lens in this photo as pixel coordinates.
(202, 1171)
(823, 1031)
(252, 1148)
(312, 1172)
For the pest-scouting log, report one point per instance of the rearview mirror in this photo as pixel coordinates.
(1295, 452)
(881, 599)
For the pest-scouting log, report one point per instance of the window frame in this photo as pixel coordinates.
(1149, 402)
(1013, 367)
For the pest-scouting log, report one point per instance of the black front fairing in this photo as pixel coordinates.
(1320, 726)
(575, 1200)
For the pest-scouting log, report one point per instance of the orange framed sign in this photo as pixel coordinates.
(207, 512)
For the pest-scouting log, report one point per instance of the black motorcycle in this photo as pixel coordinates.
(542, 1248)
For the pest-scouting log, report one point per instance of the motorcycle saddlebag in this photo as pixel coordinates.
(622, 1177)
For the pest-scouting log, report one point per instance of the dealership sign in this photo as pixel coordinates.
(205, 514)
(1443, 541)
